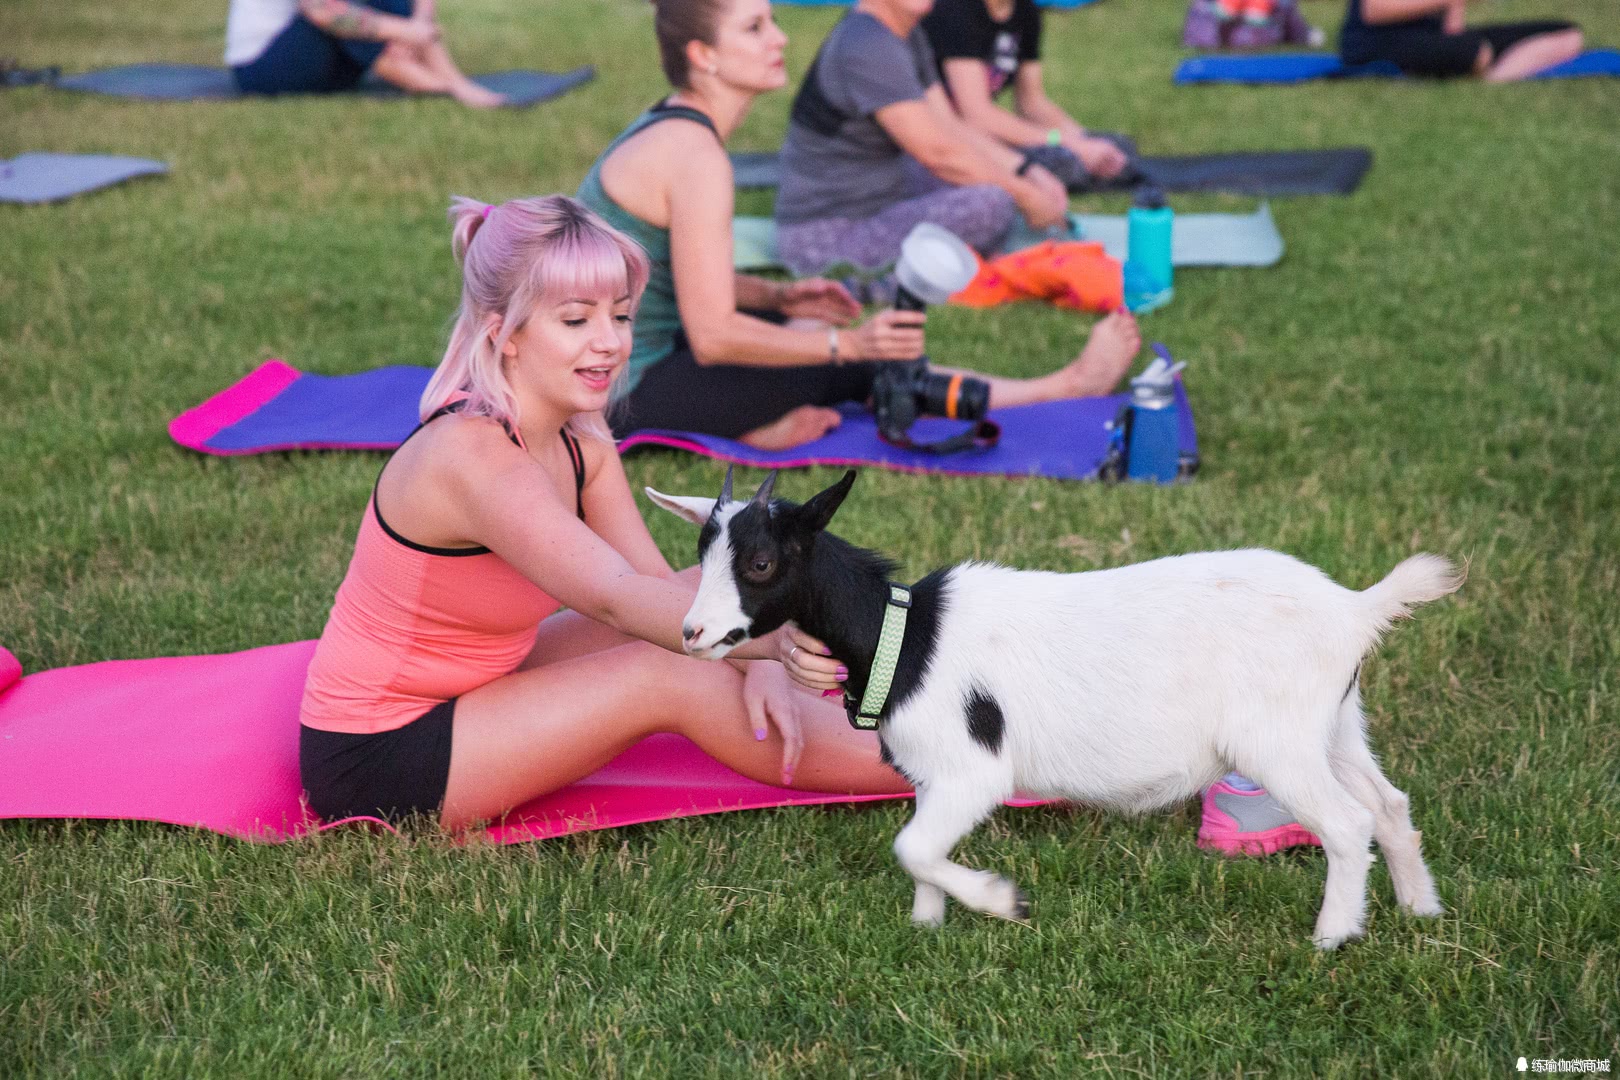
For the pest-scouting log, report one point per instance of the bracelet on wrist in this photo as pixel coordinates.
(832, 345)
(1054, 137)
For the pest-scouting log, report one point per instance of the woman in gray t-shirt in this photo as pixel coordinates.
(873, 147)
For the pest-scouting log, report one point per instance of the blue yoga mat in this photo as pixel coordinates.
(277, 407)
(1305, 67)
(191, 82)
(38, 178)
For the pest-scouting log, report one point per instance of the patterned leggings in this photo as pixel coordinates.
(981, 215)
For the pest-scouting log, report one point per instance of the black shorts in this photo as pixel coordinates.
(1430, 52)
(729, 400)
(389, 774)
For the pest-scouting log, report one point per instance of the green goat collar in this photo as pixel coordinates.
(865, 717)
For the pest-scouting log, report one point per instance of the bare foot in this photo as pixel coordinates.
(474, 96)
(795, 428)
(1109, 353)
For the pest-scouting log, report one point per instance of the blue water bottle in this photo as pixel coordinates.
(1149, 277)
(1153, 447)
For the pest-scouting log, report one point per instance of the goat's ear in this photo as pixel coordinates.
(763, 495)
(815, 514)
(691, 508)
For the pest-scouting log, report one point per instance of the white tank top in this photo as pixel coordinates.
(252, 25)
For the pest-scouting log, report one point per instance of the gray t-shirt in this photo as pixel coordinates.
(837, 161)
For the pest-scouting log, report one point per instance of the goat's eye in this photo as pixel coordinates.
(760, 568)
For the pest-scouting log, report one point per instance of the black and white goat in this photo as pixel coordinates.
(1133, 688)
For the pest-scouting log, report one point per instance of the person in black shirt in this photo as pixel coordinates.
(985, 47)
(1429, 37)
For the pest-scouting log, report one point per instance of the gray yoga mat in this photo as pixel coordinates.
(38, 178)
(1195, 239)
(191, 82)
(1335, 171)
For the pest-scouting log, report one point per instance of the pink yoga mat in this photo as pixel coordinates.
(212, 742)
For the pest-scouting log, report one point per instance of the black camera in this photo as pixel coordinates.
(933, 266)
(905, 390)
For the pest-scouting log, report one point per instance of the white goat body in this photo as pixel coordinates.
(1137, 687)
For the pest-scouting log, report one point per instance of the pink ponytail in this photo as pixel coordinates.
(526, 252)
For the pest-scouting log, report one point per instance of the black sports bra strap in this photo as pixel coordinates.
(663, 110)
(576, 454)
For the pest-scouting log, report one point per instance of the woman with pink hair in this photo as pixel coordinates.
(447, 682)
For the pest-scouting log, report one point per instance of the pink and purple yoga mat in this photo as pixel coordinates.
(212, 742)
(278, 407)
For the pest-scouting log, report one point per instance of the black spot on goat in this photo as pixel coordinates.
(984, 720)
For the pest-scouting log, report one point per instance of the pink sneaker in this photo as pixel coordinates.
(1240, 822)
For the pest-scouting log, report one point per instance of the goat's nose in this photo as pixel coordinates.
(690, 633)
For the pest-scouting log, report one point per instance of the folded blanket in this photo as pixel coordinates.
(1196, 240)
(278, 407)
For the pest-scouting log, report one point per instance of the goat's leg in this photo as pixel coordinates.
(944, 815)
(1355, 766)
(1304, 783)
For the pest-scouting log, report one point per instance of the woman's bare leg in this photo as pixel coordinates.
(538, 730)
(1109, 352)
(1535, 54)
(429, 70)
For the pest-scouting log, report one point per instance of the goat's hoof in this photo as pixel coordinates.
(1008, 901)
(1328, 940)
(1429, 907)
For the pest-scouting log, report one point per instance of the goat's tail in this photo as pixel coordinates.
(1414, 581)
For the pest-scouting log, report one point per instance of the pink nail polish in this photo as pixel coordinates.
(759, 736)
(834, 692)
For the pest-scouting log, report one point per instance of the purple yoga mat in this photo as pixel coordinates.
(277, 407)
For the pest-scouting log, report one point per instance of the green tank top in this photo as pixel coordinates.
(658, 320)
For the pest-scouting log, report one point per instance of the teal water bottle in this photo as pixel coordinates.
(1149, 278)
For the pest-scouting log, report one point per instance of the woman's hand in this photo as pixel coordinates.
(1099, 156)
(1043, 200)
(1455, 20)
(818, 298)
(808, 661)
(418, 33)
(771, 700)
(888, 335)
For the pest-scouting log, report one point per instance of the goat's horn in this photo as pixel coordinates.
(763, 495)
(725, 489)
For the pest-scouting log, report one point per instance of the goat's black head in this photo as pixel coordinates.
(756, 560)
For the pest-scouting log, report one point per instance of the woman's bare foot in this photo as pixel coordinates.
(799, 426)
(474, 96)
(1109, 353)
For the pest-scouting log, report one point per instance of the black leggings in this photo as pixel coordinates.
(730, 400)
(1421, 51)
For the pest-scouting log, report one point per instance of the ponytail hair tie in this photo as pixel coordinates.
(487, 209)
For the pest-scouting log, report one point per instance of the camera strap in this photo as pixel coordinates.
(981, 436)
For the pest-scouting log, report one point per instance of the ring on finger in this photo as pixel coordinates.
(794, 653)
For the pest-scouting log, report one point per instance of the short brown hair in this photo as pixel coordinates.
(678, 22)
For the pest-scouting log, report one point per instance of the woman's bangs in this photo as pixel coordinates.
(587, 265)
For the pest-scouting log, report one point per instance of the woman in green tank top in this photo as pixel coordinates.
(731, 354)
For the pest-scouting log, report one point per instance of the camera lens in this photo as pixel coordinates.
(906, 300)
(957, 397)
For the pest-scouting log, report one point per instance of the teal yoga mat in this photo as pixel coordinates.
(1197, 240)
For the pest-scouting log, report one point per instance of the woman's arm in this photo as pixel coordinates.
(506, 502)
(930, 131)
(969, 83)
(1378, 12)
(358, 22)
(611, 510)
(701, 200)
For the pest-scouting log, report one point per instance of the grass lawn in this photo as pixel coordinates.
(1431, 367)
